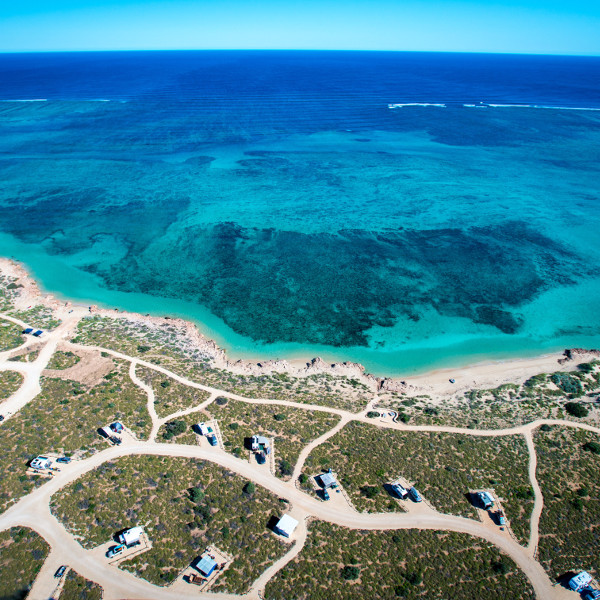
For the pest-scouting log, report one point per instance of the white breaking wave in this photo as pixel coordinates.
(27, 100)
(489, 105)
(543, 106)
(416, 104)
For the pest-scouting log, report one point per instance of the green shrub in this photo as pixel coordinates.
(249, 488)
(221, 401)
(414, 577)
(279, 417)
(524, 493)
(576, 409)
(370, 491)
(285, 467)
(196, 495)
(372, 414)
(567, 383)
(350, 573)
(593, 447)
(174, 428)
(500, 567)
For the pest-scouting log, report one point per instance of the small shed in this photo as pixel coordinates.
(327, 480)
(206, 565)
(580, 581)
(260, 443)
(131, 536)
(41, 462)
(28, 330)
(286, 526)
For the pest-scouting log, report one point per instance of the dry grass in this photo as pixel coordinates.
(156, 492)
(22, 554)
(443, 466)
(397, 564)
(568, 474)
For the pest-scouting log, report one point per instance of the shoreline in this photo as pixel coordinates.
(480, 374)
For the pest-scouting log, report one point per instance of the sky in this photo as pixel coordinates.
(525, 26)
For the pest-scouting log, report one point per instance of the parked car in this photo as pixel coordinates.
(590, 594)
(1, 418)
(115, 550)
(414, 495)
(212, 439)
(115, 440)
(63, 459)
(38, 333)
(501, 518)
(60, 571)
(28, 330)
(325, 495)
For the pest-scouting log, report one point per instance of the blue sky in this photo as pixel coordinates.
(530, 26)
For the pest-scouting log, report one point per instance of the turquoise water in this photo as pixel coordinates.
(300, 216)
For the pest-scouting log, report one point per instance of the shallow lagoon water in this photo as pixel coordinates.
(277, 200)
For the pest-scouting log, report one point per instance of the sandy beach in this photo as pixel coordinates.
(437, 383)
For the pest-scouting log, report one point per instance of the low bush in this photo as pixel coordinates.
(576, 409)
(350, 573)
(567, 383)
(343, 564)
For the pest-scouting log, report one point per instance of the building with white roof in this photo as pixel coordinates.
(327, 480)
(286, 526)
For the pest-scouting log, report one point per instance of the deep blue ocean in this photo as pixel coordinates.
(279, 201)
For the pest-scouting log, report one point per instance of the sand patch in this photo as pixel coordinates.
(90, 370)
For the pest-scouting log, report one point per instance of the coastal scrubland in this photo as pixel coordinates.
(37, 316)
(62, 359)
(9, 289)
(22, 554)
(344, 564)
(543, 396)
(291, 428)
(77, 587)
(169, 395)
(169, 346)
(10, 382)
(443, 466)
(184, 505)
(568, 467)
(26, 356)
(64, 418)
(10, 335)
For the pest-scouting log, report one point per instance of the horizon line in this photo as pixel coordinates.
(133, 50)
